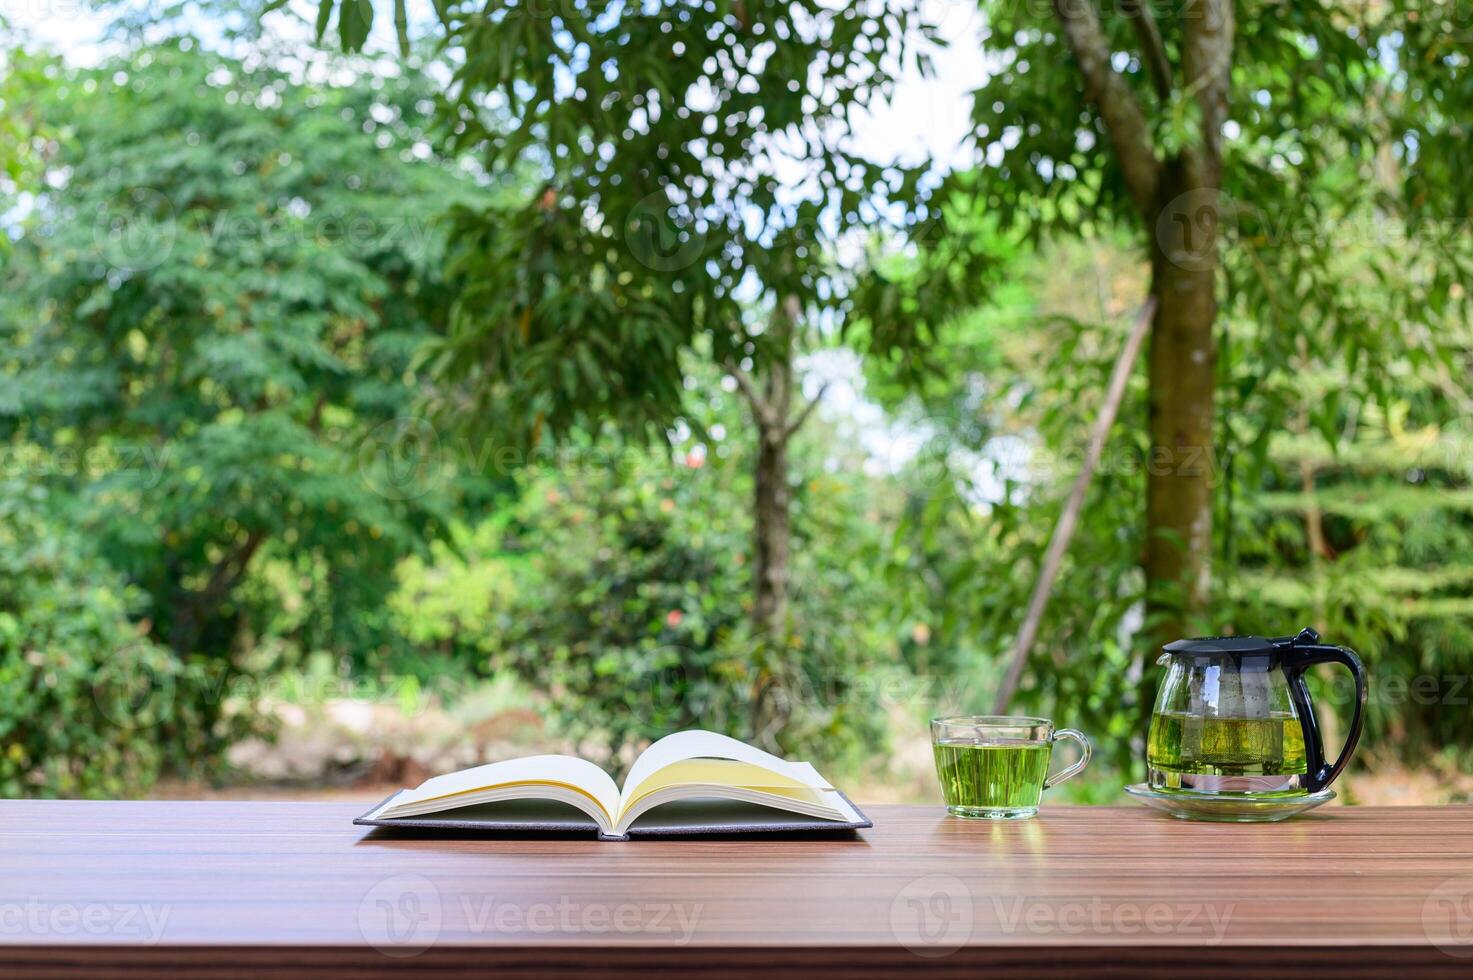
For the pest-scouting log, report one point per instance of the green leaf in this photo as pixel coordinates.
(355, 20)
(324, 15)
(401, 26)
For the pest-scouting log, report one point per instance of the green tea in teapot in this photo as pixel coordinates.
(1234, 720)
(1195, 745)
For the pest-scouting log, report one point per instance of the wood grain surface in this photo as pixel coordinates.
(294, 888)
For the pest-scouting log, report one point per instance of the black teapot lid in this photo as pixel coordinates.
(1239, 646)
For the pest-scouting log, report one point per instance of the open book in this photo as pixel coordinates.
(698, 782)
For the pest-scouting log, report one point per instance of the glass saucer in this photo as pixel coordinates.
(1229, 809)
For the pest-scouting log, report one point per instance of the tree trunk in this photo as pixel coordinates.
(1178, 200)
(771, 518)
(1181, 468)
(771, 527)
(193, 610)
(772, 522)
(771, 409)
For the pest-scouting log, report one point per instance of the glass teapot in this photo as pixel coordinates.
(1234, 716)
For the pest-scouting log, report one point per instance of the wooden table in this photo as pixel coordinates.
(287, 888)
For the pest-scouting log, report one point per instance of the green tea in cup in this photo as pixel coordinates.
(994, 766)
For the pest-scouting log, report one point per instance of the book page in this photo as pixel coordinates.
(565, 771)
(686, 746)
(714, 772)
(822, 804)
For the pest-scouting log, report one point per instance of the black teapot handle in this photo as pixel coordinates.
(1300, 653)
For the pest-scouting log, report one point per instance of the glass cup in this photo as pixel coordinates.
(995, 766)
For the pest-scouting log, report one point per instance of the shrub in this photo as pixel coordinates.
(89, 706)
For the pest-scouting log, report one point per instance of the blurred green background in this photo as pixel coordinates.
(296, 498)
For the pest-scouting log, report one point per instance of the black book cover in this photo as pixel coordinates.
(682, 818)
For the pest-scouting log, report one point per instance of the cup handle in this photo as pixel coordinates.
(1085, 751)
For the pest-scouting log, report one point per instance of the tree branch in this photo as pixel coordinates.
(1207, 61)
(229, 571)
(748, 388)
(1153, 48)
(191, 609)
(797, 423)
(1117, 104)
(314, 421)
(1058, 544)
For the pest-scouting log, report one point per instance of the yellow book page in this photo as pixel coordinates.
(696, 744)
(547, 770)
(721, 772)
(448, 801)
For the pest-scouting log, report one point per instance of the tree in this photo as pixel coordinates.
(24, 80)
(208, 328)
(998, 445)
(1145, 185)
(1229, 138)
(1359, 533)
(86, 702)
(697, 188)
(614, 583)
(1368, 543)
